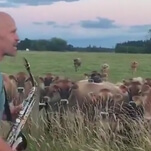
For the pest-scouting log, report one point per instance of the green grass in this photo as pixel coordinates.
(62, 64)
(82, 137)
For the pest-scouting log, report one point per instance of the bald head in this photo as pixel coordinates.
(8, 35)
(5, 20)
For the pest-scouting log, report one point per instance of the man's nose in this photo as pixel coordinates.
(17, 38)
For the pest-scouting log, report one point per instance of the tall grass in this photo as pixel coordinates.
(77, 135)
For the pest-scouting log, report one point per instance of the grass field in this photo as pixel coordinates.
(82, 137)
(62, 64)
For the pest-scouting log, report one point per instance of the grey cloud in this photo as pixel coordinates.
(13, 3)
(38, 23)
(54, 24)
(140, 28)
(100, 23)
(45, 23)
(50, 23)
(7, 4)
(63, 26)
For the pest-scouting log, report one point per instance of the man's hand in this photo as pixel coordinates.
(14, 110)
(4, 146)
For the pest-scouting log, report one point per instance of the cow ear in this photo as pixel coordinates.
(117, 97)
(75, 86)
(42, 79)
(12, 77)
(56, 78)
(56, 87)
(85, 74)
(123, 88)
(145, 88)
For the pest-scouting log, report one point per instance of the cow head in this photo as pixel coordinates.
(106, 102)
(47, 79)
(148, 81)
(21, 78)
(62, 87)
(134, 86)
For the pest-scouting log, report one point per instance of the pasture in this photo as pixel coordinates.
(82, 137)
(61, 63)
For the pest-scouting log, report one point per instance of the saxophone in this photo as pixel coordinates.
(15, 138)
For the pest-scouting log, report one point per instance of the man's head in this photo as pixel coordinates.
(8, 36)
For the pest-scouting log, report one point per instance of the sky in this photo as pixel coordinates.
(81, 22)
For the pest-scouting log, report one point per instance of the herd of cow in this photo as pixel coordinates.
(93, 96)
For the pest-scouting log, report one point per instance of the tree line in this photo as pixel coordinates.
(134, 47)
(58, 44)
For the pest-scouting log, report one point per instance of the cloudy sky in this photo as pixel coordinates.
(81, 22)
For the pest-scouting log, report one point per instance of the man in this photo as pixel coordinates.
(8, 47)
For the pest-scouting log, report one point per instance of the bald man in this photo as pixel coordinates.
(8, 47)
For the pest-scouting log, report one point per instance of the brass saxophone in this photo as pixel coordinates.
(15, 138)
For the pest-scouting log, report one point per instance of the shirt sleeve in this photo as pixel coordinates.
(2, 97)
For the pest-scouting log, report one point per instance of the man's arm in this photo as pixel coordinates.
(4, 146)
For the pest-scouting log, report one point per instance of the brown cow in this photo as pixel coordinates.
(43, 85)
(77, 63)
(48, 79)
(134, 66)
(72, 93)
(148, 81)
(144, 100)
(93, 77)
(105, 68)
(23, 83)
(85, 96)
(11, 89)
(134, 85)
(105, 71)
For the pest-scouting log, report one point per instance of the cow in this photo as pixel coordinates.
(48, 79)
(134, 86)
(77, 63)
(134, 66)
(23, 83)
(105, 71)
(43, 84)
(11, 89)
(144, 100)
(94, 77)
(105, 68)
(147, 81)
(73, 93)
(85, 96)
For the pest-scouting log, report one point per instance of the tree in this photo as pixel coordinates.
(57, 44)
(26, 43)
(149, 32)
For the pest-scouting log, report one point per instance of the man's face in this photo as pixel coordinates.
(8, 38)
